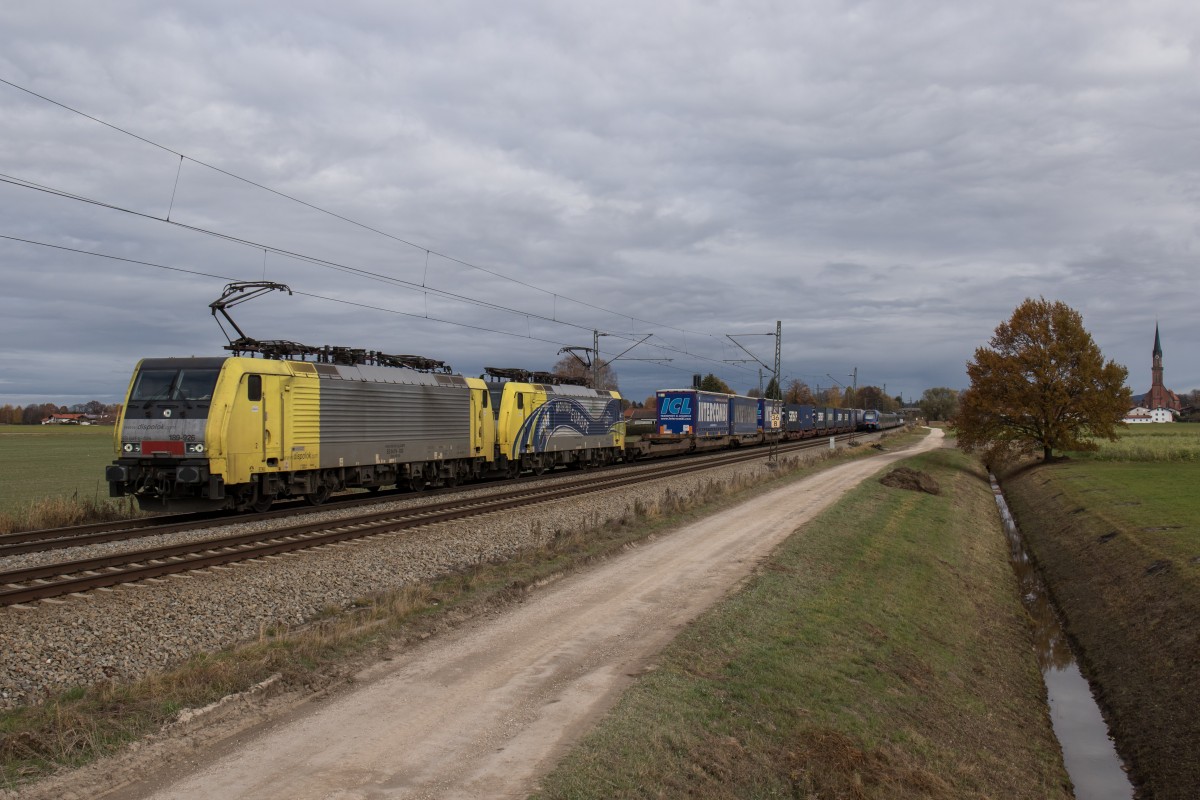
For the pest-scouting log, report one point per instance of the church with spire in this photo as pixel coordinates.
(1159, 404)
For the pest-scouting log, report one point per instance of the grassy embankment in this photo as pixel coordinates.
(75, 727)
(881, 652)
(1117, 536)
(53, 475)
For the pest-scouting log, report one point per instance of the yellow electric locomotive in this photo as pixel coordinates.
(239, 432)
(202, 433)
(542, 422)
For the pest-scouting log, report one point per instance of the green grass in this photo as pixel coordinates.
(1153, 502)
(1177, 442)
(881, 652)
(1119, 544)
(52, 461)
(1144, 483)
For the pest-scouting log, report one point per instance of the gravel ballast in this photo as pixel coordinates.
(134, 630)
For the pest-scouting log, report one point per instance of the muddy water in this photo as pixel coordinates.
(1088, 751)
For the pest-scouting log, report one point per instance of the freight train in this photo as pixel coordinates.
(239, 432)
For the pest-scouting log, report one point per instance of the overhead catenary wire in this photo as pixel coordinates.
(325, 298)
(554, 318)
(335, 215)
(265, 248)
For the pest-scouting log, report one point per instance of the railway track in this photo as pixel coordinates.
(70, 577)
(18, 543)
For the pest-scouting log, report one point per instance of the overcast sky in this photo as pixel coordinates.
(485, 183)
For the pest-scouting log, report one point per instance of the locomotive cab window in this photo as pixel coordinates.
(174, 384)
(196, 384)
(153, 384)
(254, 388)
(520, 400)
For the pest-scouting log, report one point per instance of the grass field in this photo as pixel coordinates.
(1172, 443)
(52, 461)
(881, 652)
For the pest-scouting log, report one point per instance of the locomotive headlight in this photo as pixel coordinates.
(195, 448)
(132, 447)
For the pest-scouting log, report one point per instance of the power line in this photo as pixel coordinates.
(342, 301)
(333, 214)
(424, 288)
(320, 262)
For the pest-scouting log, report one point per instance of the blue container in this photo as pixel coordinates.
(743, 415)
(770, 415)
(797, 418)
(691, 412)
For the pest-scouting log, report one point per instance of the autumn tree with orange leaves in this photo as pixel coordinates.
(1041, 384)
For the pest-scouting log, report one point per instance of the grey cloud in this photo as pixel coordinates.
(889, 180)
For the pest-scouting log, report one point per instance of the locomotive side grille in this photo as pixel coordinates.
(363, 422)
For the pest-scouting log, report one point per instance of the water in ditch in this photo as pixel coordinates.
(1088, 751)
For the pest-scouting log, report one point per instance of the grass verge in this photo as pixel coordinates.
(53, 461)
(74, 727)
(1119, 546)
(881, 652)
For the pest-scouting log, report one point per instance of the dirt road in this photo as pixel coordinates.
(485, 710)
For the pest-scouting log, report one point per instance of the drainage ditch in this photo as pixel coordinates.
(1088, 751)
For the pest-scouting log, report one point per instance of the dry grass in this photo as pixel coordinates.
(60, 512)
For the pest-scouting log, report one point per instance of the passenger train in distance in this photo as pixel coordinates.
(880, 420)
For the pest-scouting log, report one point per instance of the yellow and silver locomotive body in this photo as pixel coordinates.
(241, 432)
(540, 426)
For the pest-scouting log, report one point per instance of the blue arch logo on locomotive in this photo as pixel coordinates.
(560, 416)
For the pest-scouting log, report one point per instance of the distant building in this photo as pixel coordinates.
(1159, 404)
(67, 419)
(1143, 414)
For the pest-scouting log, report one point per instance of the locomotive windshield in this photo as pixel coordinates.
(174, 384)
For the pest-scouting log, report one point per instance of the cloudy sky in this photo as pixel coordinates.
(485, 183)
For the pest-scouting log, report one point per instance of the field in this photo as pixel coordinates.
(1173, 443)
(1117, 535)
(52, 461)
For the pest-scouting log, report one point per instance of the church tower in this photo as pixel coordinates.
(1159, 396)
(1156, 369)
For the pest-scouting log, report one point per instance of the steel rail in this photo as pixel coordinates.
(19, 543)
(133, 566)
